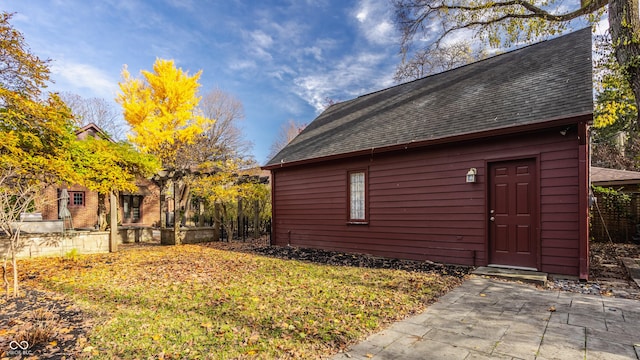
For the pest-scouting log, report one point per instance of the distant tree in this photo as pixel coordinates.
(329, 102)
(436, 59)
(288, 131)
(224, 139)
(616, 133)
(219, 145)
(96, 111)
(506, 22)
(224, 189)
(162, 109)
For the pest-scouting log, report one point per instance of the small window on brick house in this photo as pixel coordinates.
(76, 198)
(131, 208)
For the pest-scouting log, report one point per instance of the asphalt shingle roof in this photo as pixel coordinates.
(537, 83)
(613, 176)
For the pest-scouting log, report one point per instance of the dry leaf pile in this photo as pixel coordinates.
(198, 301)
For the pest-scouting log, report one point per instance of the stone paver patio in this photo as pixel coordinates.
(491, 319)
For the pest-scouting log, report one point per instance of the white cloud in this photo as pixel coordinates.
(281, 72)
(242, 65)
(350, 77)
(85, 77)
(458, 36)
(374, 20)
(362, 15)
(261, 39)
(258, 45)
(261, 54)
(314, 51)
(184, 4)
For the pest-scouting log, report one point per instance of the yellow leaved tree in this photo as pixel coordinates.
(162, 109)
(39, 148)
(225, 190)
(35, 132)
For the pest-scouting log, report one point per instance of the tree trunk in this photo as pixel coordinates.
(176, 213)
(185, 199)
(241, 219)
(113, 234)
(228, 222)
(624, 27)
(200, 213)
(163, 205)
(14, 263)
(230, 229)
(216, 222)
(15, 238)
(256, 219)
(102, 212)
(4, 275)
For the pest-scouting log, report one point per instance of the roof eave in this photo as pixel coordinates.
(586, 117)
(611, 183)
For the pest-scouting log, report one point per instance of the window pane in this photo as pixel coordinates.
(357, 196)
(125, 207)
(77, 199)
(135, 208)
(135, 214)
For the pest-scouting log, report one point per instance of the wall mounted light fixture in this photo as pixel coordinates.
(471, 175)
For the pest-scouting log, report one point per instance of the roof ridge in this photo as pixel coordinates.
(527, 86)
(471, 63)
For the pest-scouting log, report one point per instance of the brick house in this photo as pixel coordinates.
(141, 208)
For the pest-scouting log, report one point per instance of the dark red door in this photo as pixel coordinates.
(513, 214)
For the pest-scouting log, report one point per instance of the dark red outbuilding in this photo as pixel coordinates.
(486, 164)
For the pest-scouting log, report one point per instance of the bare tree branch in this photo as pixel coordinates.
(97, 111)
(224, 140)
(418, 16)
(288, 131)
(508, 22)
(437, 59)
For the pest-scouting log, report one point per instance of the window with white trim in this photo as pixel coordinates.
(357, 196)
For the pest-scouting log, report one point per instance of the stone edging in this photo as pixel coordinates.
(633, 268)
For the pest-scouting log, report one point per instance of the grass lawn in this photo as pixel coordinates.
(196, 302)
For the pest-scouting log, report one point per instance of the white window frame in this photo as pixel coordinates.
(357, 196)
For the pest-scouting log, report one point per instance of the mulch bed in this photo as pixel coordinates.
(335, 258)
(607, 274)
(41, 325)
(605, 259)
(341, 259)
(55, 328)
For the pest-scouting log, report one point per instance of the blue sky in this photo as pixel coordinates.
(281, 59)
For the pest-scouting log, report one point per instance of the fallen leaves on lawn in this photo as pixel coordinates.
(199, 301)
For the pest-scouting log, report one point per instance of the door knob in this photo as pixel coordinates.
(492, 218)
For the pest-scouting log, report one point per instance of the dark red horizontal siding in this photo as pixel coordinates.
(420, 207)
